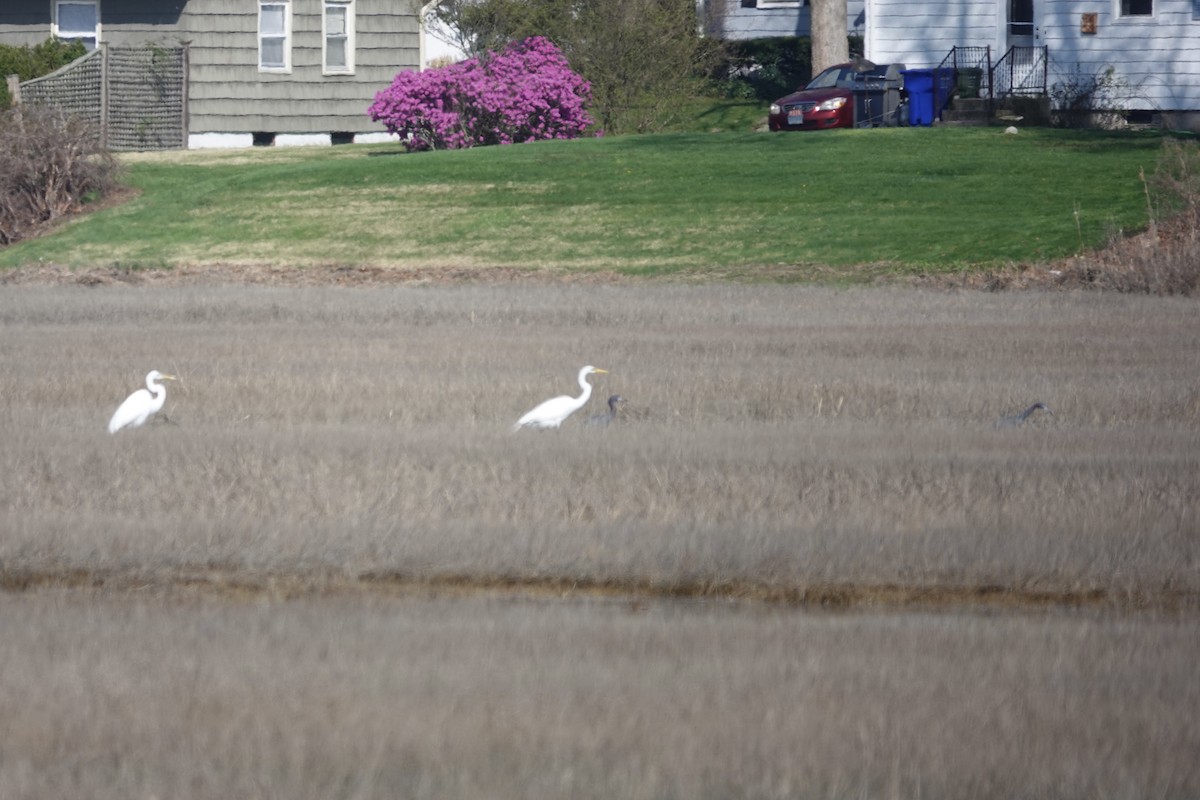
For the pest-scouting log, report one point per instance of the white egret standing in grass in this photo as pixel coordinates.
(138, 407)
(551, 413)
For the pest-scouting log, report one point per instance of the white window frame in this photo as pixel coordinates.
(286, 36)
(1123, 16)
(348, 36)
(69, 35)
(764, 5)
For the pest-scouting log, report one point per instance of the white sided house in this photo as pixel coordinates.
(1143, 54)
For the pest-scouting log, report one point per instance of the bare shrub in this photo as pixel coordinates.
(1176, 185)
(1166, 259)
(1083, 99)
(51, 164)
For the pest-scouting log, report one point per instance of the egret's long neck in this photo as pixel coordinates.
(158, 392)
(587, 389)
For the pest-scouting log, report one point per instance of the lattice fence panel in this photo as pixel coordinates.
(135, 96)
(76, 88)
(146, 97)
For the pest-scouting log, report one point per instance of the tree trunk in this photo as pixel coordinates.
(829, 45)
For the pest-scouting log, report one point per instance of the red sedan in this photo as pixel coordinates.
(826, 102)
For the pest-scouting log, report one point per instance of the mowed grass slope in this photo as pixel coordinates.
(791, 206)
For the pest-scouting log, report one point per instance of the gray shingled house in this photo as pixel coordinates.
(262, 71)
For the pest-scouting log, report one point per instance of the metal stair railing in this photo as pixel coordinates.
(961, 58)
(1022, 71)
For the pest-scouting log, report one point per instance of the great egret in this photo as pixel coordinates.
(602, 420)
(1019, 419)
(551, 413)
(138, 407)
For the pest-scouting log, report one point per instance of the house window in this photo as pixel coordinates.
(339, 37)
(78, 19)
(1137, 8)
(765, 4)
(274, 37)
(1020, 18)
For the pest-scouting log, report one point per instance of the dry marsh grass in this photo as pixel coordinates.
(332, 571)
(774, 436)
(143, 695)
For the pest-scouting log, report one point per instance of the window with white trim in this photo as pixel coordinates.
(338, 48)
(274, 36)
(1020, 17)
(766, 4)
(77, 19)
(1137, 8)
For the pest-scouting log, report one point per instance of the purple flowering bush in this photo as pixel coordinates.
(524, 93)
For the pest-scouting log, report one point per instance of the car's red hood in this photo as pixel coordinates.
(813, 95)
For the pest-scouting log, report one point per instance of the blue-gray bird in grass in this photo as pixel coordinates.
(1017, 420)
(603, 420)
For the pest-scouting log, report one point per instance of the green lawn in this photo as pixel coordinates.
(850, 204)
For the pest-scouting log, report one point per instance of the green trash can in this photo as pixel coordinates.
(969, 81)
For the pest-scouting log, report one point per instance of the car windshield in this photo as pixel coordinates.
(832, 78)
(845, 77)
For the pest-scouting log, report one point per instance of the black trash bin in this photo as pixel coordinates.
(877, 96)
(970, 79)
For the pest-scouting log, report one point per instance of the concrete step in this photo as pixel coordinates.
(950, 120)
(966, 111)
(969, 104)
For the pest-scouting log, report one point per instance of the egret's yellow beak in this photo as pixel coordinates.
(167, 378)
(601, 370)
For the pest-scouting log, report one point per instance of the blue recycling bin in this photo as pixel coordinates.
(928, 93)
(919, 85)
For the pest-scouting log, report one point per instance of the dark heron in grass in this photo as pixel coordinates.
(602, 420)
(1017, 420)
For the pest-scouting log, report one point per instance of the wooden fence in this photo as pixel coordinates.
(136, 97)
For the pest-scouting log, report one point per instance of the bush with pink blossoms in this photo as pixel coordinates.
(524, 93)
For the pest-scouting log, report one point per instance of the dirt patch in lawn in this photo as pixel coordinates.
(273, 275)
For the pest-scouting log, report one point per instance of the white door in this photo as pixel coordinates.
(1022, 23)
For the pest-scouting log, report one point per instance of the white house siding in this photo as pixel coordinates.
(920, 34)
(727, 19)
(1156, 59)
